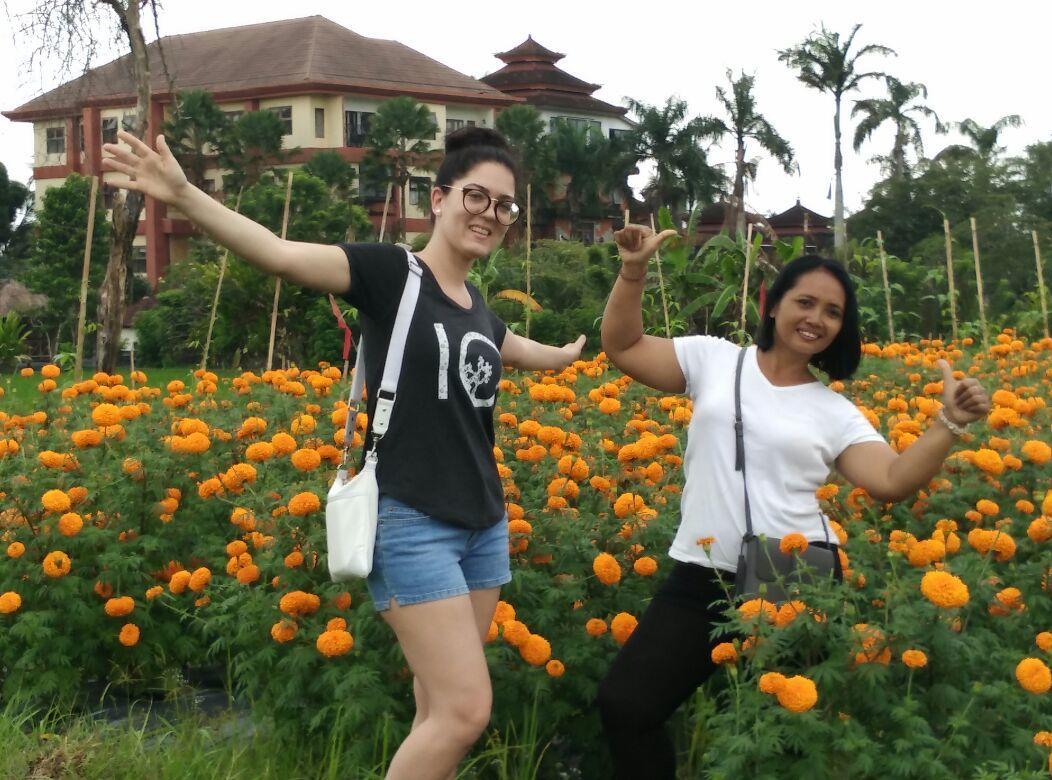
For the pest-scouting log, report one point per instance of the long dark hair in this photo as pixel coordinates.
(841, 358)
(469, 146)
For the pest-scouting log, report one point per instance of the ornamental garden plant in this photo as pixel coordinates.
(148, 530)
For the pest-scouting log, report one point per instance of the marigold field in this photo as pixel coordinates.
(147, 530)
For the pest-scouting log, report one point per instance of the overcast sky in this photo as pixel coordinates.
(978, 60)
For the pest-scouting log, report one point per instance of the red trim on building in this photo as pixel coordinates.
(72, 145)
(92, 122)
(42, 172)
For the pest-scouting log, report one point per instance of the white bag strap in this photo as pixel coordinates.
(385, 398)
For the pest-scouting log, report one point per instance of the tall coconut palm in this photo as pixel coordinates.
(524, 129)
(674, 143)
(899, 109)
(825, 63)
(579, 155)
(983, 139)
(744, 122)
(396, 146)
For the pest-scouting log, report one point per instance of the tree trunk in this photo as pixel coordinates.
(125, 220)
(839, 226)
(739, 188)
(898, 155)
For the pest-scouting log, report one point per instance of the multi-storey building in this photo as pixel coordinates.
(323, 80)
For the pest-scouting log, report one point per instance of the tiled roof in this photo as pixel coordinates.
(274, 57)
(794, 217)
(529, 50)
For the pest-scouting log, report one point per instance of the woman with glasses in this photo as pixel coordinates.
(442, 538)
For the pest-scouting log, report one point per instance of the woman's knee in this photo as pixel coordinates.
(466, 713)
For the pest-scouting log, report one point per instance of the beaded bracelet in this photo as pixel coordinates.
(954, 428)
(641, 277)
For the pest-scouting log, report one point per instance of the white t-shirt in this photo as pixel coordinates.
(792, 437)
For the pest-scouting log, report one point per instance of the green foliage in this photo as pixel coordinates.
(56, 259)
(14, 334)
(197, 131)
(251, 148)
(335, 171)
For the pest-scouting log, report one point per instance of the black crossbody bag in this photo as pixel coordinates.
(763, 569)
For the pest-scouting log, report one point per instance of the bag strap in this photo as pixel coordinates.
(385, 398)
(739, 451)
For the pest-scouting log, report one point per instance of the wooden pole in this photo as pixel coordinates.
(78, 364)
(626, 216)
(219, 286)
(277, 281)
(383, 219)
(979, 286)
(745, 282)
(529, 241)
(661, 283)
(949, 277)
(887, 287)
(1040, 283)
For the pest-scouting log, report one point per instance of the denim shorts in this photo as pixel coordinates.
(418, 558)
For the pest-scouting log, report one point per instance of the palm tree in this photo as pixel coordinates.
(897, 108)
(673, 142)
(745, 122)
(826, 64)
(396, 146)
(524, 130)
(983, 139)
(196, 131)
(579, 154)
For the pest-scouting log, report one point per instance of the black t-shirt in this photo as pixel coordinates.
(437, 454)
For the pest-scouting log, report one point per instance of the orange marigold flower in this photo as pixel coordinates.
(336, 624)
(503, 613)
(987, 507)
(1043, 739)
(606, 568)
(793, 543)
(303, 504)
(236, 547)
(515, 632)
(1034, 675)
(89, 437)
(536, 650)
(260, 451)
(788, 612)
(120, 606)
(55, 501)
(10, 602)
(645, 566)
(596, 627)
(827, 492)
(16, 550)
(989, 461)
(70, 524)
(609, 406)
(752, 608)
(724, 653)
(622, 626)
(1037, 451)
(555, 668)
(105, 415)
(915, 659)
(248, 574)
(154, 592)
(944, 589)
(129, 635)
(342, 600)
(1044, 641)
(199, 579)
(294, 559)
(771, 682)
(179, 582)
(797, 694)
(298, 602)
(306, 459)
(335, 643)
(56, 564)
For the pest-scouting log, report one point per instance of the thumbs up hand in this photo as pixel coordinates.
(964, 400)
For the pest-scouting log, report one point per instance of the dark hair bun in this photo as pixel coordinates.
(474, 136)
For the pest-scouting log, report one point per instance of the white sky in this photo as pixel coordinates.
(977, 60)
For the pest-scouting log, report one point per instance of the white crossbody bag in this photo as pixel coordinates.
(352, 504)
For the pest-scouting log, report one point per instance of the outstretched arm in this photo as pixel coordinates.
(157, 174)
(530, 355)
(890, 476)
(648, 359)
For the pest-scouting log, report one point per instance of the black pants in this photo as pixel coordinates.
(664, 661)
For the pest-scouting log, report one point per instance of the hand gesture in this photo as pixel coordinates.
(156, 174)
(964, 400)
(573, 350)
(637, 243)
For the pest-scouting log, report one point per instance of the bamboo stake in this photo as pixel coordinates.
(383, 219)
(219, 286)
(887, 287)
(626, 216)
(1040, 282)
(131, 357)
(979, 285)
(277, 282)
(529, 241)
(949, 277)
(745, 282)
(78, 364)
(661, 282)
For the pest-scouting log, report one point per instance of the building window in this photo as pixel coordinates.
(453, 124)
(617, 196)
(284, 113)
(419, 190)
(128, 123)
(109, 130)
(616, 134)
(434, 127)
(586, 232)
(137, 265)
(356, 127)
(209, 185)
(233, 116)
(319, 123)
(56, 140)
(575, 122)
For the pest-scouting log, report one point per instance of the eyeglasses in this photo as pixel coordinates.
(477, 202)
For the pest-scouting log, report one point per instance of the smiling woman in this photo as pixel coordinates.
(441, 501)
